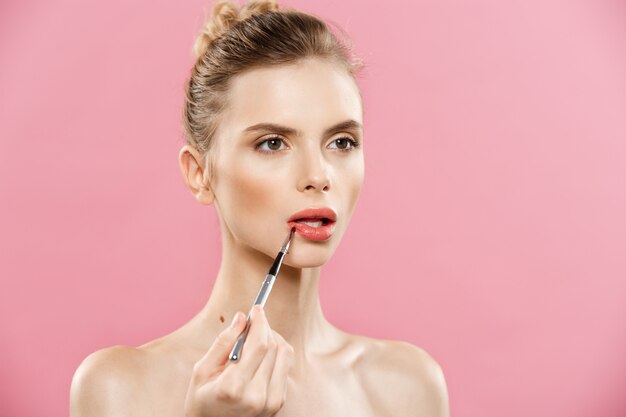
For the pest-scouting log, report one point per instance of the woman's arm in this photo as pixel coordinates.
(106, 384)
(404, 380)
(430, 387)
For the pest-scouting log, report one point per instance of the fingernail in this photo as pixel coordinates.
(235, 321)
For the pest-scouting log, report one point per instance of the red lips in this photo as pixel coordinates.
(328, 217)
(315, 213)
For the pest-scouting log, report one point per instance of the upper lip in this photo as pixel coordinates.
(315, 213)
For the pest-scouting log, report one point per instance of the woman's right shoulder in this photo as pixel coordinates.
(107, 382)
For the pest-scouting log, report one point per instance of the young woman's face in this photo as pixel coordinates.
(263, 176)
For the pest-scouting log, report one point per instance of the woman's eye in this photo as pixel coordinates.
(345, 144)
(273, 145)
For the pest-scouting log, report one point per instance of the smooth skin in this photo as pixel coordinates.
(294, 362)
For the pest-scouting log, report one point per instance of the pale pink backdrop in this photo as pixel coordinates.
(491, 230)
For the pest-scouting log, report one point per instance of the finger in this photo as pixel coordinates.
(262, 376)
(259, 384)
(277, 390)
(254, 348)
(217, 355)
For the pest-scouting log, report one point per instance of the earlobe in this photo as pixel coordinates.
(190, 164)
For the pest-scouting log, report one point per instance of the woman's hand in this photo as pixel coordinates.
(254, 386)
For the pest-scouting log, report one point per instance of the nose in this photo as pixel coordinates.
(314, 173)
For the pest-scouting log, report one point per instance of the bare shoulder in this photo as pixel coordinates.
(107, 382)
(404, 379)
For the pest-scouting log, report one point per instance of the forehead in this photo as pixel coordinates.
(310, 94)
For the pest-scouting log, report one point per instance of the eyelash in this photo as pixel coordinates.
(353, 144)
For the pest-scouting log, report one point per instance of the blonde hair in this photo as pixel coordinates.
(237, 39)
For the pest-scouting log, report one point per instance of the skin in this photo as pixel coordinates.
(330, 372)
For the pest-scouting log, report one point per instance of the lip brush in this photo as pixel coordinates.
(264, 291)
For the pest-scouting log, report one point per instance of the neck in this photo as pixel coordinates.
(292, 308)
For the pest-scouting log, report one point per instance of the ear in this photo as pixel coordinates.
(190, 163)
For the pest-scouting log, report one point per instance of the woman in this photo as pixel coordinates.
(273, 122)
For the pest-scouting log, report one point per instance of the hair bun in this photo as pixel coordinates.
(223, 16)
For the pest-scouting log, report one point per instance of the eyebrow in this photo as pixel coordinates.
(284, 130)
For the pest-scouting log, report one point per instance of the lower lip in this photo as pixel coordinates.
(314, 233)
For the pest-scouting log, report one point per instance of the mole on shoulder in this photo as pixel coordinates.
(222, 319)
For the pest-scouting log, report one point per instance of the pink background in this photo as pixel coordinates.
(495, 142)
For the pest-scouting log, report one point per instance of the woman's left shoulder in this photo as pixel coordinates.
(403, 377)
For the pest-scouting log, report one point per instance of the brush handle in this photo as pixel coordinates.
(261, 297)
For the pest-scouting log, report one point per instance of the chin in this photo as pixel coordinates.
(304, 257)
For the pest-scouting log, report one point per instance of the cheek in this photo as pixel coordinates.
(245, 194)
(352, 181)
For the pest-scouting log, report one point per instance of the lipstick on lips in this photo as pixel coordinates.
(314, 223)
